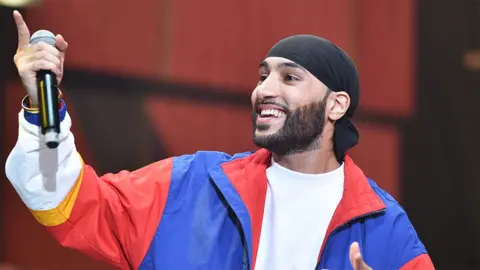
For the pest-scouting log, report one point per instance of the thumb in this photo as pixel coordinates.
(22, 29)
(356, 258)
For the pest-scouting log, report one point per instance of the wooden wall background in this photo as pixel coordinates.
(180, 73)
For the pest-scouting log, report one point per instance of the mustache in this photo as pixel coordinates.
(259, 102)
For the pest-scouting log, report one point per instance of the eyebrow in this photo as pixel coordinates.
(264, 64)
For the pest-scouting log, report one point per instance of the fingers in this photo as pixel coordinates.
(61, 44)
(354, 252)
(36, 57)
(32, 58)
(22, 29)
(45, 55)
(44, 47)
(358, 263)
(24, 34)
(42, 65)
(356, 258)
(40, 51)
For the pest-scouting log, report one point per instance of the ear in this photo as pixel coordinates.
(339, 102)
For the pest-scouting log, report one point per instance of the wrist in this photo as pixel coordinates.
(32, 113)
(30, 103)
(32, 106)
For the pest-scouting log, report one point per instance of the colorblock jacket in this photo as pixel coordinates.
(198, 211)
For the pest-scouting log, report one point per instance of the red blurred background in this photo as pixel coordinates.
(149, 79)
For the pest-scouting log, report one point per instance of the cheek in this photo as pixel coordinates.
(296, 100)
(305, 95)
(254, 96)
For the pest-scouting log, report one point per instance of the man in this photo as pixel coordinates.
(299, 202)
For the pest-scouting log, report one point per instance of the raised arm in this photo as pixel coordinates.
(112, 217)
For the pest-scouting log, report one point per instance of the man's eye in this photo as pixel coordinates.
(291, 78)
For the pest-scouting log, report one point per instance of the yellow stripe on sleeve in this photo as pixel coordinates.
(62, 212)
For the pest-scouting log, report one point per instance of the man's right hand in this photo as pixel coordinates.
(31, 58)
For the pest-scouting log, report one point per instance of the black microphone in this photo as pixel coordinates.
(48, 95)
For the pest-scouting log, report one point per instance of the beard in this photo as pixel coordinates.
(299, 133)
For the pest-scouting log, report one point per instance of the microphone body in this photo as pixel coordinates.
(48, 101)
(48, 95)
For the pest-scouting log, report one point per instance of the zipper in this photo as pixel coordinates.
(345, 223)
(359, 217)
(246, 259)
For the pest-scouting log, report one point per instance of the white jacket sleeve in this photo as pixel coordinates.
(41, 176)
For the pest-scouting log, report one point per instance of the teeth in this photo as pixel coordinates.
(272, 112)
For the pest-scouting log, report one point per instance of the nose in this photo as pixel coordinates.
(269, 88)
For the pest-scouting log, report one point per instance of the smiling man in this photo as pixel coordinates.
(299, 202)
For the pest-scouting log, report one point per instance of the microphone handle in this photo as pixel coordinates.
(48, 102)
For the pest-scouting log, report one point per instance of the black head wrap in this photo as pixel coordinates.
(334, 68)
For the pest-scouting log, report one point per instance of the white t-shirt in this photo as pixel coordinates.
(298, 210)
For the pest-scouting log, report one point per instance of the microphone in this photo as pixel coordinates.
(48, 95)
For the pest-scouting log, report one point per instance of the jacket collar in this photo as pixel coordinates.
(248, 177)
(358, 200)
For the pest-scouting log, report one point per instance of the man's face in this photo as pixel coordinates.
(288, 107)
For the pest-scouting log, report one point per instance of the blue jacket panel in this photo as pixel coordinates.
(206, 225)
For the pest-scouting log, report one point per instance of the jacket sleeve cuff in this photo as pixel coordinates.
(33, 117)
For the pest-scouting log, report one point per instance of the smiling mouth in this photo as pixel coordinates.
(268, 113)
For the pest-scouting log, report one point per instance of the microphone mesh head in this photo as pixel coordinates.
(43, 35)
